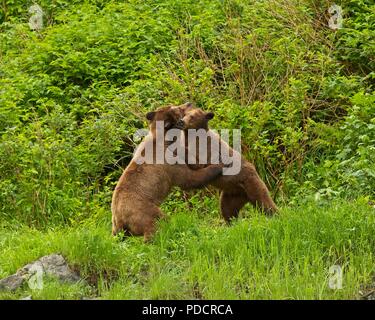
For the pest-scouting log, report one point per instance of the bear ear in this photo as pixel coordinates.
(209, 115)
(186, 106)
(150, 115)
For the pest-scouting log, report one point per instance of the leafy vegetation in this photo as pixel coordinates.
(73, 93)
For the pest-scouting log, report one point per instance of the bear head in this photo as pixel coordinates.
(194, 118)
(169, 116)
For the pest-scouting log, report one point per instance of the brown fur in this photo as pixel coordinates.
(143, 187)
(237, 190)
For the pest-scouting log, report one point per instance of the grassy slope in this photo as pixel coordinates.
(195, 255)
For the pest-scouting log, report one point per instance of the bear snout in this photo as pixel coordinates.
(180, 124)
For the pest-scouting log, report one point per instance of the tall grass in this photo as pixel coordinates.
(195, 255)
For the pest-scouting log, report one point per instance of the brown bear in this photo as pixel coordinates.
(143, 186)
(238, 189)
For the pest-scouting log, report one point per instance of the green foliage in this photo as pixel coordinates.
(356, 41)
(355, 158)
(73, 93)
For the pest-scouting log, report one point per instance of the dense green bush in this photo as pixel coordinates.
(354, 162)
(73, 93)
(356, 42)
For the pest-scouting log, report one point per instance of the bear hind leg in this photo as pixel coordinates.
(258, 193)
(147, 225)
(231, 204)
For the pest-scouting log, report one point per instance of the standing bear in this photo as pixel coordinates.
(143, 186)
(237, 189)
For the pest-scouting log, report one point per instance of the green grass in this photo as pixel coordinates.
(195, 255)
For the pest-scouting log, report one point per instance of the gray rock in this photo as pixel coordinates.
(53, 265)
(12, 282)
(370, 295)
(26, 298)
